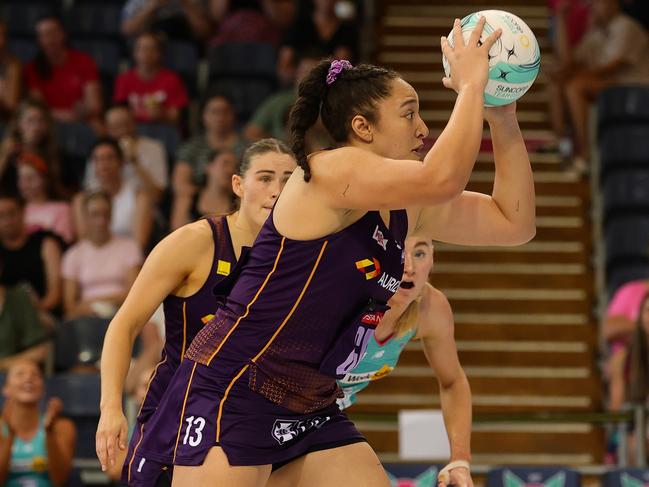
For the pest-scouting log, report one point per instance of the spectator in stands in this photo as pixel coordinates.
(98, 270)
(269, 120)
(22, 335)
(36, 448)
(319, 28)
(195, 155)
(178, 19)
(44, 209)
(132, 212)
(628, 369)
(31, 130)
(146, 159)
(251, 20)
(622, 312)
(65, 79)
(31, 259)
(10, 76)
(612, 52)
(215, 197)
(154, 93)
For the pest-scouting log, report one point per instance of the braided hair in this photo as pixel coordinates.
(354, 92)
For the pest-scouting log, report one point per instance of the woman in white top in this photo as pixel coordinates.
(132, 212)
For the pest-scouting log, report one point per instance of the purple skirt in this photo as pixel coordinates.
(202, 409)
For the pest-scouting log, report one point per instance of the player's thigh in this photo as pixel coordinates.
(216, 471)
(354, 464)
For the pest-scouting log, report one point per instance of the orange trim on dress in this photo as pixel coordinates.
(182, 413)
(254, 299)
(270, 341)
(130, 464)
(148, 386)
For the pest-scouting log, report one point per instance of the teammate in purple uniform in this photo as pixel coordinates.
(182, 273)
(258, 386)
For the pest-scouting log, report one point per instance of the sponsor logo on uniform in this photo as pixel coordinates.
(380, 239)
(285, 430)
(372, 319)
(390, 283)
(223, 268)
(370, 268)
(206, 319)
(382, 372)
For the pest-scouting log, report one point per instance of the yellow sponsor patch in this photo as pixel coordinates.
(205, 319)
(223, 268)
(382, 372)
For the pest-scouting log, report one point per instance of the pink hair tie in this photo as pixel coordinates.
(337, 67)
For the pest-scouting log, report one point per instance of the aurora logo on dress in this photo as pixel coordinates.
(428, 478)
(627, 480)
(512, 480)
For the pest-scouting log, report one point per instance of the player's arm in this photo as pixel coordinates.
(356, 179)
(436, 330)
(168, 265)
(508, 215)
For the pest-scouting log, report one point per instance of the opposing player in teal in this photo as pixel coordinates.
(421, 312)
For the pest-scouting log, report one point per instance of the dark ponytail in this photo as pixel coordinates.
(355, 91)
(305, 112)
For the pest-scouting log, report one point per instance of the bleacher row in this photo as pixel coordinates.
(623, 133)
(245, 72)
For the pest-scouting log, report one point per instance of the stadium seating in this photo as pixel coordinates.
(107, 55)
(626, 190)
(22, 15)
(80, 394)
(627, 240)
(165, 133)
(250, 60)
(78, 342)
(23, 48)
(183, 58)
(624, 146)
(623, 105)
(94, 19)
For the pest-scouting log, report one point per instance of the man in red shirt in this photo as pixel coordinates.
(154, 93)
(65, 79)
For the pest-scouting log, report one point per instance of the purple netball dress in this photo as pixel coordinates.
(184, 318)
(260, 379)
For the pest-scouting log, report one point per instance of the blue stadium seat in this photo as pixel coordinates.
(415, 474)
(78, 342)
(620, 274)
(246, 94)
(75, 138)
(107, 55)
(183, 57)
(624, 145)
(95, 19)
(623, 105)
(165, 133)
(628, 477)
(627, 240)
(626, 189)
(23, 48)
(21, 15)
(249, 60)
(533, 476)
(80, 394)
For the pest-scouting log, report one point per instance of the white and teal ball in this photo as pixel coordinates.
(514, 60)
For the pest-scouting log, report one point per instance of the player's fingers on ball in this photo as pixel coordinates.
(491, 40)
(477, 32)
(447, 49)
(458, 39)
